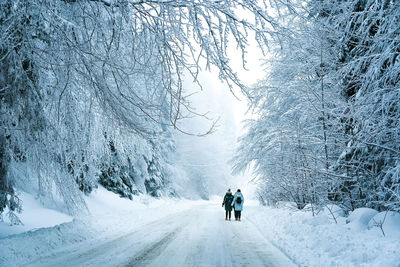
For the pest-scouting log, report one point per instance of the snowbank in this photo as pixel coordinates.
(319, 241)
(110, 212)
(389, 222)
(360, 218)
(17, 250)
(34, 216)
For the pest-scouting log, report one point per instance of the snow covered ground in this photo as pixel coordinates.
(319, 241)
(148, 232)
(34, 216)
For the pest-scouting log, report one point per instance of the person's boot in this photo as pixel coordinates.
(226, 219)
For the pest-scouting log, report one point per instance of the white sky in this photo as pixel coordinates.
(220, 92)
(212, 153)
(249, 77)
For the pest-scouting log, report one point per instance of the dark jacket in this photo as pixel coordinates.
(228, 201)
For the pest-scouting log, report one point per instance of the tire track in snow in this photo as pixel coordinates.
(113, 252)
(151, 252)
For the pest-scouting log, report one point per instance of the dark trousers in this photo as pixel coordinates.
(228, 213)
(238, 213)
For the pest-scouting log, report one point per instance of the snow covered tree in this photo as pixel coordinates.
(369, 67)
(71, 70)
(293, 140)
(345, 55)
(21, 115)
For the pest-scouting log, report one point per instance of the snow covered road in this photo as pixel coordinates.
(197, 236)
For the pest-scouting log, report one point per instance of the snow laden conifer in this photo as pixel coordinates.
(369, 65)
(366, 40)
(21, 108)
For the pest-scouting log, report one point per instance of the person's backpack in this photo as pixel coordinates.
(238, 200)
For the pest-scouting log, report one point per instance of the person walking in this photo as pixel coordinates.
(228, 204)
(238, 204)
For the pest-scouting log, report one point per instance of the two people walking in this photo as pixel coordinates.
(234, 202)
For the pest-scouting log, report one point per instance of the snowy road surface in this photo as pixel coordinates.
(194, 237)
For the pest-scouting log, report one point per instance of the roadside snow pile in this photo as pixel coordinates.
(33, 216)
(389, 222)
(360, 218)
(21, 249)
(121, 215)
(319, 241)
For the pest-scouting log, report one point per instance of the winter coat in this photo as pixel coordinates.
(228, 201)
(238, 206)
